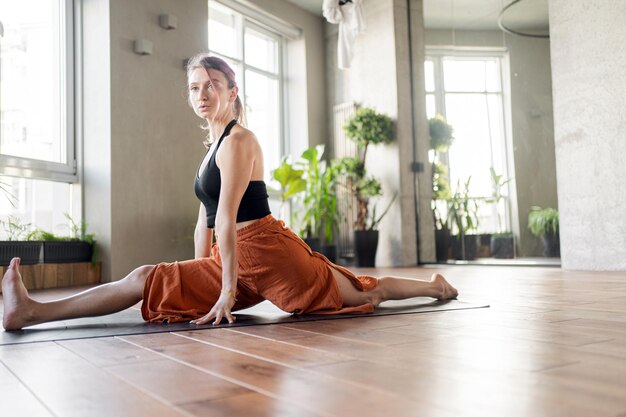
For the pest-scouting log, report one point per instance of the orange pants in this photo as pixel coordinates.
(274, 264)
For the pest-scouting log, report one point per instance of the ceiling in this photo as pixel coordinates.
(470, 14)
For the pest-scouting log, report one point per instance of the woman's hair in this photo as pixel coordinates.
(206, 61)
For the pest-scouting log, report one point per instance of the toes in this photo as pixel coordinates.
(15, 263)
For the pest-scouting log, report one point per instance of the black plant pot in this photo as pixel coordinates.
(66, 251)
(329, 251)
(551, 245)
(484, 245)
(29, 252)
(314, 243)
(442, 245)
(471, 246)
(502, 247)
(365, 245)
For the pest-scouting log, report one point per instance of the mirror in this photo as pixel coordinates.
(493, 87)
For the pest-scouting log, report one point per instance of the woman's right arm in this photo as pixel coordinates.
(203, 236)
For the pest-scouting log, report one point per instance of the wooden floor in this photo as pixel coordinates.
(553, 343)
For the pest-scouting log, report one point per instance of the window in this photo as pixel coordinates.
(467, 88)
(255, 53)
(37, 160)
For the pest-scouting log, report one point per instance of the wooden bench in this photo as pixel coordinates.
(51, 275)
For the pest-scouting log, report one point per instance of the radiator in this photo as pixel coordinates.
(346, 203)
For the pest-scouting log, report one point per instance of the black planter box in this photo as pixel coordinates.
(442, 245)
(551, 245)
(502, 247)
(66, 251)
(314, 243)
(30, 253)
(470, 246)
(365, 245)
(330, 252)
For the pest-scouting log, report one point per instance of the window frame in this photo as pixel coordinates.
(17, 166)
(244, 21)
(437, 55)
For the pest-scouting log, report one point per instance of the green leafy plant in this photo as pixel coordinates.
(14, 229)
(441, 133)
(5, 188)
(498, 182)
(441, 194)
(543, 221)
(365, 128)
(328, 202)
(463, 209)
(291, 183)
(78, 233)
(375, 220)
(441, 185)
(313, 168)
(441, 138)
(313, 179)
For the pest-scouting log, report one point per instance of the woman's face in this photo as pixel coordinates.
(209, 95)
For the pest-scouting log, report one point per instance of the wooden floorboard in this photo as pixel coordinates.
(553, 343)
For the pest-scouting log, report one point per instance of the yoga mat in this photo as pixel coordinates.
(129, 321)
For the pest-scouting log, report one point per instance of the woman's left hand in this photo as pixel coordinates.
(220, 310)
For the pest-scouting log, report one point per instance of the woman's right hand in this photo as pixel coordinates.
(221, 309)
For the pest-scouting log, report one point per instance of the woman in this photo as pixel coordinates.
(256, 257)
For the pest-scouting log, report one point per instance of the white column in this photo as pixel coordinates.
(588, 81)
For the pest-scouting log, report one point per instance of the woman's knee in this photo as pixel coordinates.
(353, 296)
(139, 276)
(375, 296)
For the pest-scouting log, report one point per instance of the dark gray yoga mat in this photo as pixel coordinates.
(130, 322)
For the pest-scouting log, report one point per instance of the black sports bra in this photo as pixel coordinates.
(254, 203)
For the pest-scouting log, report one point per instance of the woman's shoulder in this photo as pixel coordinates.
(241, 136)
(240, 142)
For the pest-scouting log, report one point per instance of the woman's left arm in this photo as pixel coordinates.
(235, 160)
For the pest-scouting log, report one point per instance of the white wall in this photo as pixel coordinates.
(96, 98)
(142, 141)
(588, 62)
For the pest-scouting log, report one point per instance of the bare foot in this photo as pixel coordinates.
(448, 292)
(17, 304)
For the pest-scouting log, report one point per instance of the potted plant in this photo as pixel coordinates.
(463, 215)
(313, 179)
(365, 128)
(441, 138)
(291, 181)
(441, 133)
(441, 194)
(16, 243)
(78, 247)
(502, 244)
(544, 223)
(39, 246)
(313, 168)
(320, 216)
(328, 208)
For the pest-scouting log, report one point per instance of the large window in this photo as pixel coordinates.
(37, 158)
(255, 52)
(468, 89)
